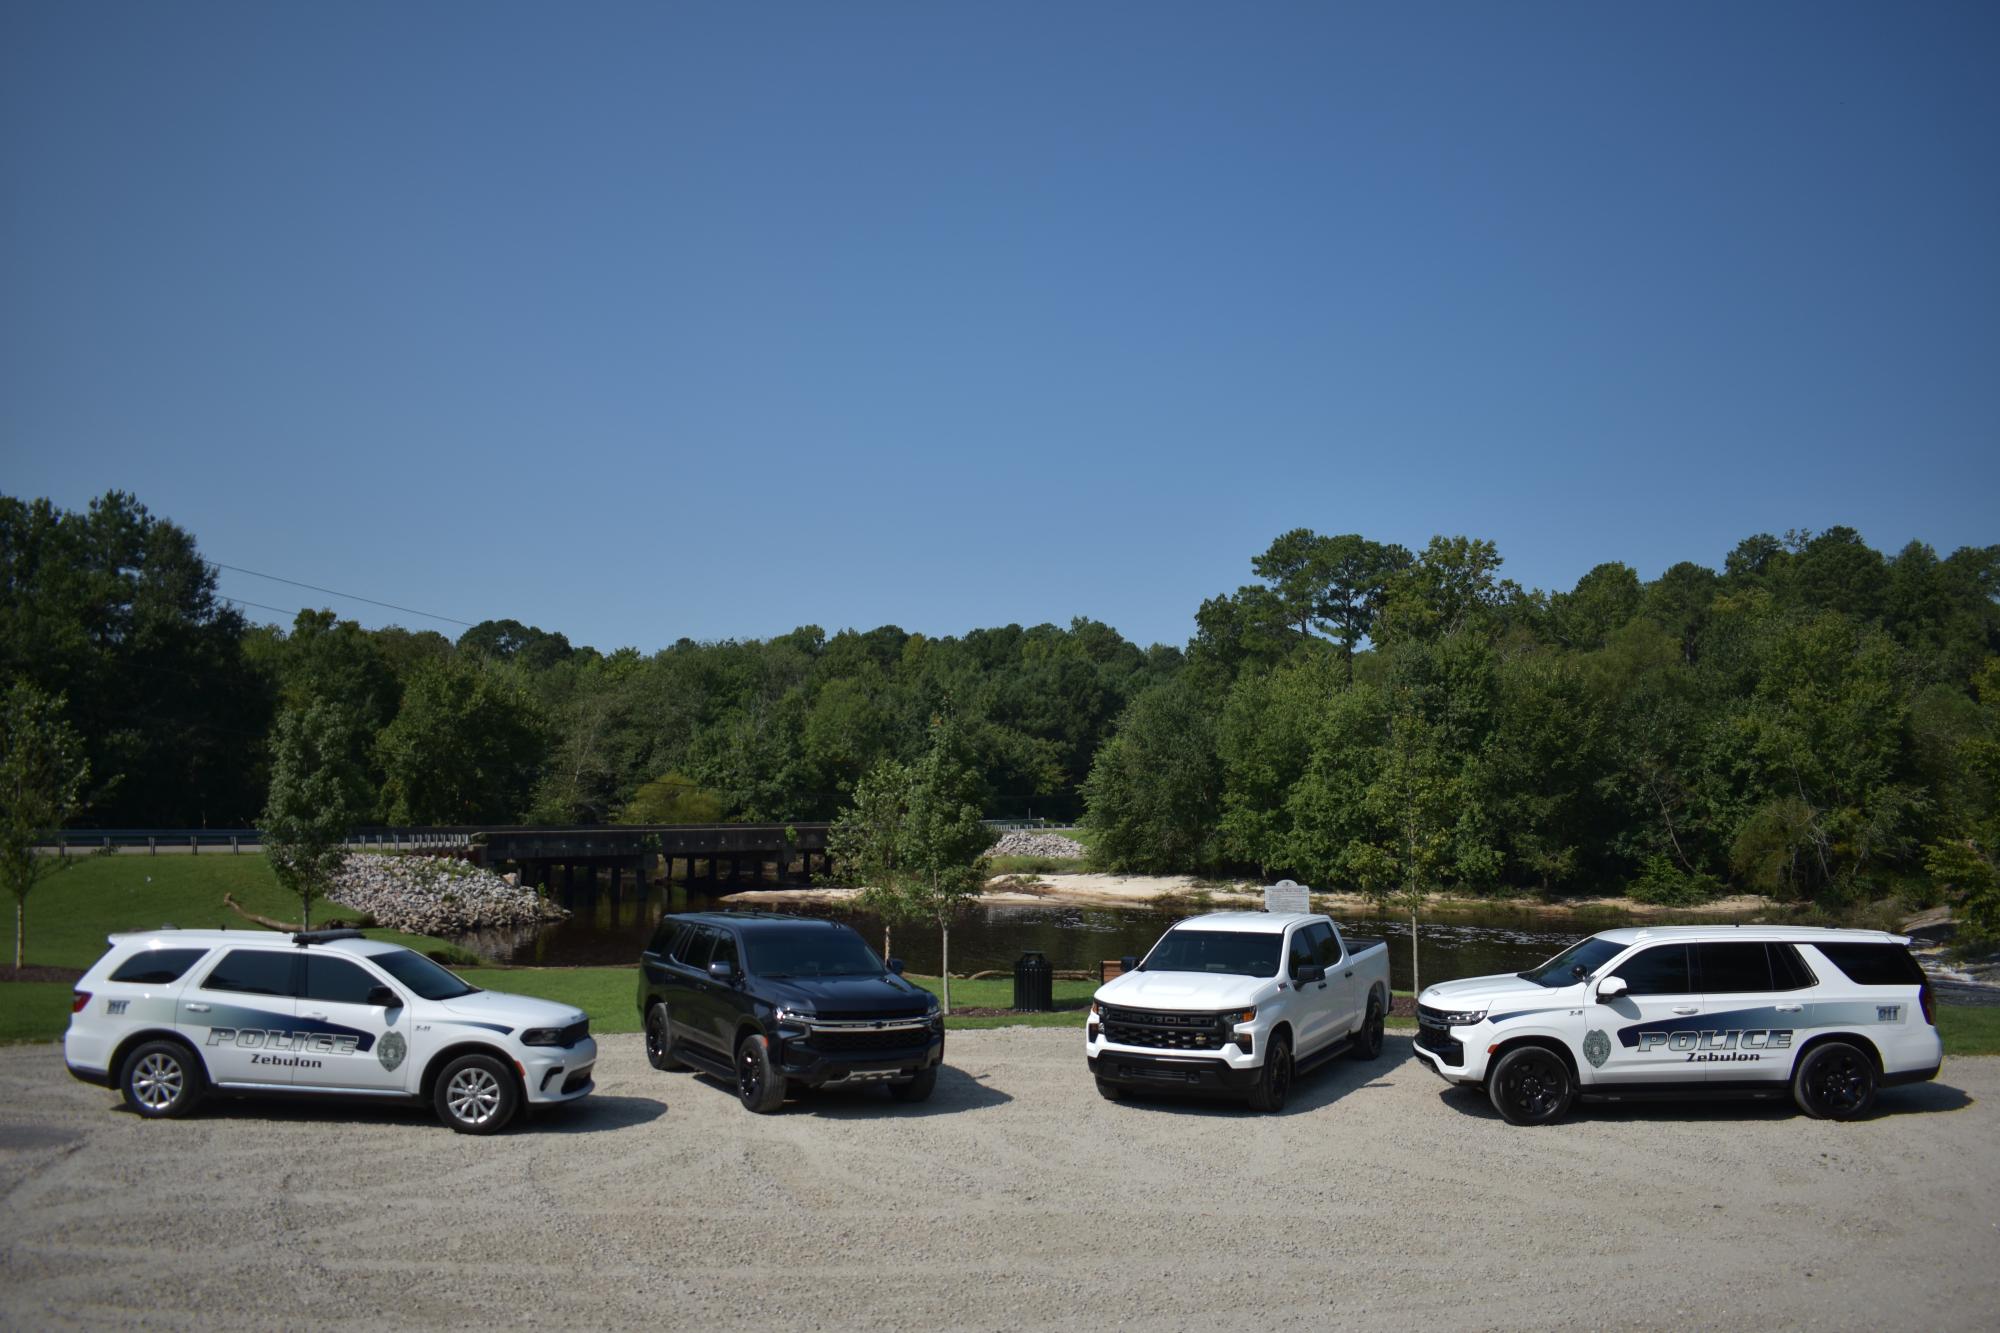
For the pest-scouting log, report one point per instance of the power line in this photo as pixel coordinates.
(238, 601)
(352, 597)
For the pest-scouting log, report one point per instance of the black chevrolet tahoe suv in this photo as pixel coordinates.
(783, 1003)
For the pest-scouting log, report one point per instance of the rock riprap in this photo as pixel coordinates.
(1030, 842)
(435, 897)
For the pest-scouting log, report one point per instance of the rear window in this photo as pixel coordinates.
(1874, 964)
(156, 967)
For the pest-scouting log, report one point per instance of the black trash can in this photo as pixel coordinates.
(1034, 983)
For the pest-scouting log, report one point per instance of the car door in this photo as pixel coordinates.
(689, 1007)
(726, 1000)
(1653, 1027)
(1341, 981)
(241, 1015)
(1312, 1020)
(1749, 1015)
(344, 1041)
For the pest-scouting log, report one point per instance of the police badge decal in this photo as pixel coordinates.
(391, 1050)
(1596, 1048)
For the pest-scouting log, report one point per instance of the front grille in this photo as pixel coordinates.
(894, 1039)
(1433, 1017)
(573, 1034)
(576, 1080)
(1437, 1039)
(1165, 1031)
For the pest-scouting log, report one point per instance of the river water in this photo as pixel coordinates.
(1072, 938)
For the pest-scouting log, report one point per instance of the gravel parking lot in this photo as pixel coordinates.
(1016, 1197)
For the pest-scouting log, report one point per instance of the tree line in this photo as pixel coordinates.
(1815, 719)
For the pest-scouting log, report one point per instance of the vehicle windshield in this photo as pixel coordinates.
(817, 952)
(421, 975)
(1574, 963)
(1244, 953)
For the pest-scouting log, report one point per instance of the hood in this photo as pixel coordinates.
(1475, 991)
(884, 995)
(1183, 990)
(514, 1011)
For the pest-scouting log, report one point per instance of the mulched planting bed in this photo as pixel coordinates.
(33, 972)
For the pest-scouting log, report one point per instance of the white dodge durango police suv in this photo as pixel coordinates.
(166, 1015)
(1825, 1016)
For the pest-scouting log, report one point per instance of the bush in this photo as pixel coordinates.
(1665, 884)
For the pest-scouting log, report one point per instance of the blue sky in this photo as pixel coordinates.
(643, 321)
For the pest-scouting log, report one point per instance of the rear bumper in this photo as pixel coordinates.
(1172, 1073)
(1912, 1076)
(99, 1077)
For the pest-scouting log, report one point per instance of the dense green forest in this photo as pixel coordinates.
(1815, 720)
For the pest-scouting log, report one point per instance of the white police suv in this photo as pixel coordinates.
(167, 1015)
(1824, 1016)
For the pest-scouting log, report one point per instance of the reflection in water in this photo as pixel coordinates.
(1072, 938)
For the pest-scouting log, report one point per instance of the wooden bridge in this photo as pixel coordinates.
(726, 855)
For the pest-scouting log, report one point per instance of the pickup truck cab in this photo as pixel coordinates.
(1823, 1016)
(1238, 1003)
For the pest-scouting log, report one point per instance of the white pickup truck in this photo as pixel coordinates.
(1238, 1002)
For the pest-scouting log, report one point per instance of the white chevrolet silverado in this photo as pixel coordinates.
(1239, 1002)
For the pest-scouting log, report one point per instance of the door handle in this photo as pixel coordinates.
(194, 1008)
(1689, 1009)
(320, 1017)
(1348, 973)
(1790, 1008)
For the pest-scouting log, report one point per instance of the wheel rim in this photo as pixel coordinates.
(656, 1032)
(1840, 1083)
(473, 1096)
(749, 1073)
(1375, 1026)
(1281, 1074)
(157, 1082)
(1533, 1086)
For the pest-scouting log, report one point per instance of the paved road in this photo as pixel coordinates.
(1016, 1198)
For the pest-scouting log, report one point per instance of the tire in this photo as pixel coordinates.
(918, 1089)
(760, 1084)
(1530, 1085)
(1367, 1044)
(1274, 1081)
(660, 1039)
(475, 1094)
(1110, 1092)
(1835, 1081)
(161, 1080)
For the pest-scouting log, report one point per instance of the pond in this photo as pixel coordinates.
(1072, 938)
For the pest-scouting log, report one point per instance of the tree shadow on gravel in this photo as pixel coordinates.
(1913, 1099)
(1339, 1078)
(956, 1092)
(590, 1115)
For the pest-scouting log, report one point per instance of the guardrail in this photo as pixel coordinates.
(193, 842)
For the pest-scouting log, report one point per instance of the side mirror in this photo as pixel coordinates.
(896, 966)
(1310, 973)
(1129, 963)
(381, 997)
(1610, 989)
(722, 970)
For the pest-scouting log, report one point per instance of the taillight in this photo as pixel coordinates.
(77, 1000)
(1928, 1004)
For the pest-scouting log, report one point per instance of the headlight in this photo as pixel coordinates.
(1465, 1018)
(795, 1017)
(1096, 1007)
(542, 1037)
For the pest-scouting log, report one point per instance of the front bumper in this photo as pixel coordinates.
(559, 1073)
(1449, 1053)
(828, 1056)
(1174, 1073)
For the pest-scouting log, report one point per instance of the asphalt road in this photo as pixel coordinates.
(1015, 1198)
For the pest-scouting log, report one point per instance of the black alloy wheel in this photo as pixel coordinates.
(1530, 1085)
(1368, 1042)
(1276, 1080)
(760, 1084)
(1835, 1082)
(660, 1039)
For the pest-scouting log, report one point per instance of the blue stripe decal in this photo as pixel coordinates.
(468, 1023)
(1808, 1015)
(1523, 1013)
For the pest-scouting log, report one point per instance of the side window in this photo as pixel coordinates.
(336, 981)
(1662, 970)
(1874, 964)
(1326, 946)
(693, 947)
(725, 950)
(156, 967)
(663, 936)
(1302, 951)
(1728, 969)
(1788, 970)
(256, 972)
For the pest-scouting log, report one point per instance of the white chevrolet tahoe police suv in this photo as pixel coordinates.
(1824, 1016)
(1238, 1002)
(167, 1015)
